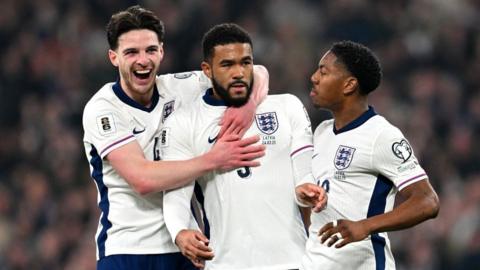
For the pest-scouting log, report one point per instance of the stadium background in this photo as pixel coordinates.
(54, 58)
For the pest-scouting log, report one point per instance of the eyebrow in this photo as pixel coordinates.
(229, 60)
(136, 49)
(129, 50)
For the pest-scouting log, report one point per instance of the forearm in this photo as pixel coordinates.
(302, 172)
(176, 209)
(413, 211)
(146, 176)
(165, 175)
(260, 84)
(302, 167)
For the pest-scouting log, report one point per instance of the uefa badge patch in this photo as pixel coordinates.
(105, 124)
(344, 157)
(167, 109)
(267, 122)
(402, 150)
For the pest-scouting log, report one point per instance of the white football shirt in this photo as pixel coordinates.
(361, 166)
(254, 220)
(131, 223)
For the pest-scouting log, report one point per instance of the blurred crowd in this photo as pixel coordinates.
(55, 58)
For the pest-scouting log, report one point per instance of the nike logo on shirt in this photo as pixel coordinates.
(212, 140)
(135, 131)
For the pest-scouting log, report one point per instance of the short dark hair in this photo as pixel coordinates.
(222, 34)
(133, 18)
(361, 62)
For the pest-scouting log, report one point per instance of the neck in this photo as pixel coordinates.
(144, 99)
(349, 112)
(216, 95)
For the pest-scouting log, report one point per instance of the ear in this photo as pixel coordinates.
(350, 85)
(207, 70)
(112, 55)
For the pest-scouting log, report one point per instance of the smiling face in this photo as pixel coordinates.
(231, 72)
(138, 58)
(329, 83)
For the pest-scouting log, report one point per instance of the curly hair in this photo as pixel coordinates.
(361, 62)
(133, 18)
(223, 34)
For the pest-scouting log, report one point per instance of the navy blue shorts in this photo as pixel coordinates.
(169, 261)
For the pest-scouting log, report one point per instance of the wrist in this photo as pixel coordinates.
(178, 235)
(301, 203)
(209, 162)
(368, 225)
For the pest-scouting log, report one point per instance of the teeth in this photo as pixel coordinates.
(143, 71)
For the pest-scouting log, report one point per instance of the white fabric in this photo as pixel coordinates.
(362, 174)
(302, 167)
(131, 223)
(254, 220)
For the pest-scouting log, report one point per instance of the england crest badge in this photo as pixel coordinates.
(267, 122)
(343, 157)
(167, 109)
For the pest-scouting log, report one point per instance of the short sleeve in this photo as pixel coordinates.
(106, 127)
(394, 158)
(188, 85)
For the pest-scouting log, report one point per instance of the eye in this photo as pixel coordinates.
(129, 52)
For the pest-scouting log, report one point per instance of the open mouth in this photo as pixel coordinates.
(238, 85)
(142, 74)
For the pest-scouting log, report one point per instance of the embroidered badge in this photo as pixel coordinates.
(402, 150)
(168, 108)
(267, 122)
(343, 157)
(105, 124)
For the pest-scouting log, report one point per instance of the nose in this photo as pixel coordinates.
(313, 78)
(238, 72)
(142, 59)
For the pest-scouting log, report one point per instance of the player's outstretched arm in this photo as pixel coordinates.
(421, 203)
(153, 176)
(238, 120)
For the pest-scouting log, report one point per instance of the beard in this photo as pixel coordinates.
(225, 95)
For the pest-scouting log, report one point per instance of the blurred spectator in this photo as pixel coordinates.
(54, 59)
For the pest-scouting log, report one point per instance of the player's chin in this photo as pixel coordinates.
(316, 104)
(144, 85)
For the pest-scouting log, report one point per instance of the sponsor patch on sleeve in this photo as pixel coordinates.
(408, 166)
(106, 124)
(164, 136)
